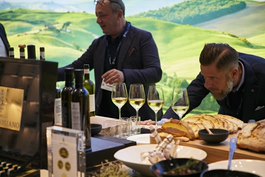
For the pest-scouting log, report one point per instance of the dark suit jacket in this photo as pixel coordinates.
(4, 37)
(138, 59)
(252, 104)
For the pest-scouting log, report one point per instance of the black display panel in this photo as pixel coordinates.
(37, 80)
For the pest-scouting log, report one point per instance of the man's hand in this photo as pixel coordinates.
(113, 76)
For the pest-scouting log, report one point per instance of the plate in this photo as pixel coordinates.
(140, 138)
(246, 165)
(131, 156)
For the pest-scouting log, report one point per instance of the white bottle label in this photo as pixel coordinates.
(86, 71)
(76, 118)
(42, 55)
(58, 112)
(92, 102)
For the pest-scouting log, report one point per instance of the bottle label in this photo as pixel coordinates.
(22, 54)
(92, 103)
(11, 53)
(86, 71)
(76, 118)
(42, 56)
(58, 112)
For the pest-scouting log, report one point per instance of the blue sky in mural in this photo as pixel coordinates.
(132, 6)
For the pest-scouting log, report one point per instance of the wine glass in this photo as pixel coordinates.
(155, 99)
(119, 96)
(180, 101)
(137, 97)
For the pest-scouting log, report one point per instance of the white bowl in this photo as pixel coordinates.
(131, 156)
(246, 165)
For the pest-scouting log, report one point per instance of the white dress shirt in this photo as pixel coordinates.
(3, 51)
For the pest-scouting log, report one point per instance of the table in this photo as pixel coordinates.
(214, 152)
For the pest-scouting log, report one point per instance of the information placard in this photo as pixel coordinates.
(66, 152)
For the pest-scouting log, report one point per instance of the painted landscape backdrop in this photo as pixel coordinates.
(180, 28)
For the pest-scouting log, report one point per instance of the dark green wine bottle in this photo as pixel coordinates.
(67, 97)
(80, 109)
(90, 86)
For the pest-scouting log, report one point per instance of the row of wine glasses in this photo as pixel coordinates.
(155, 98)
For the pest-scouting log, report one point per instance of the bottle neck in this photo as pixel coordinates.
(79, 74)
(69, 81)
(79, 85)
(86, 74)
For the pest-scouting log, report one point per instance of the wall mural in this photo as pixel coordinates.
(180, 28)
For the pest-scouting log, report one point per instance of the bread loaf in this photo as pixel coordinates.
(190, 126)
(252, 137)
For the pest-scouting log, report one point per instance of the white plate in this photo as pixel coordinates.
(140, 139)
(246, 165)
(131, 156)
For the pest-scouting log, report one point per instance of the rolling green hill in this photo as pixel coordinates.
(195, 11)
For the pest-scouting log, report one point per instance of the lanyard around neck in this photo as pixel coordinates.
(112, 60)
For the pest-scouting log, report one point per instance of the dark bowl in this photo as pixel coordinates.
(219, 135)
(95, 129)
(227, 173)
(172, 168)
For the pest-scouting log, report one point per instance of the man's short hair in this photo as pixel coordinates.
(223, 55)
(115, 4)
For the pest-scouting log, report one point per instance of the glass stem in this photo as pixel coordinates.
(137, 115)
(119, 113)
(156, 120)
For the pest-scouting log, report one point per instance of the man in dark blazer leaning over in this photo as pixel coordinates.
(4, 44)
(236, 80)
(124, 54)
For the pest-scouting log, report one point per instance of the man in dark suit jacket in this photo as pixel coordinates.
(124, 54)
(5, 42)
(236, 80)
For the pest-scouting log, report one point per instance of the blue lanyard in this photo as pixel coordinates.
(112, 61)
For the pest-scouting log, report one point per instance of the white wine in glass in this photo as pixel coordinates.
(137, 97)
(119, 96)
(180, 101)
(155, 99)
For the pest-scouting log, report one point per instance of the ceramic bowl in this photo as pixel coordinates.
(227, 173)
(181, 167)
(218, 136)
(95, 129)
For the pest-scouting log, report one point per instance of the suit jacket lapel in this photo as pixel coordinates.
(126, 43)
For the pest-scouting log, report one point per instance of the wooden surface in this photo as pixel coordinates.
(220, 151)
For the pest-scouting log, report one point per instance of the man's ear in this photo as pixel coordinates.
(120, 14)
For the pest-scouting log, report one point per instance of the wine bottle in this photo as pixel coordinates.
(90, 86)
(80, 109)
(67, 97)
(22, 51)
(58, 107)
(42, 53)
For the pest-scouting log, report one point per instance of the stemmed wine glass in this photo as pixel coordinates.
(119, 96)
(180, 101)
(137, 97)
(155, 99)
